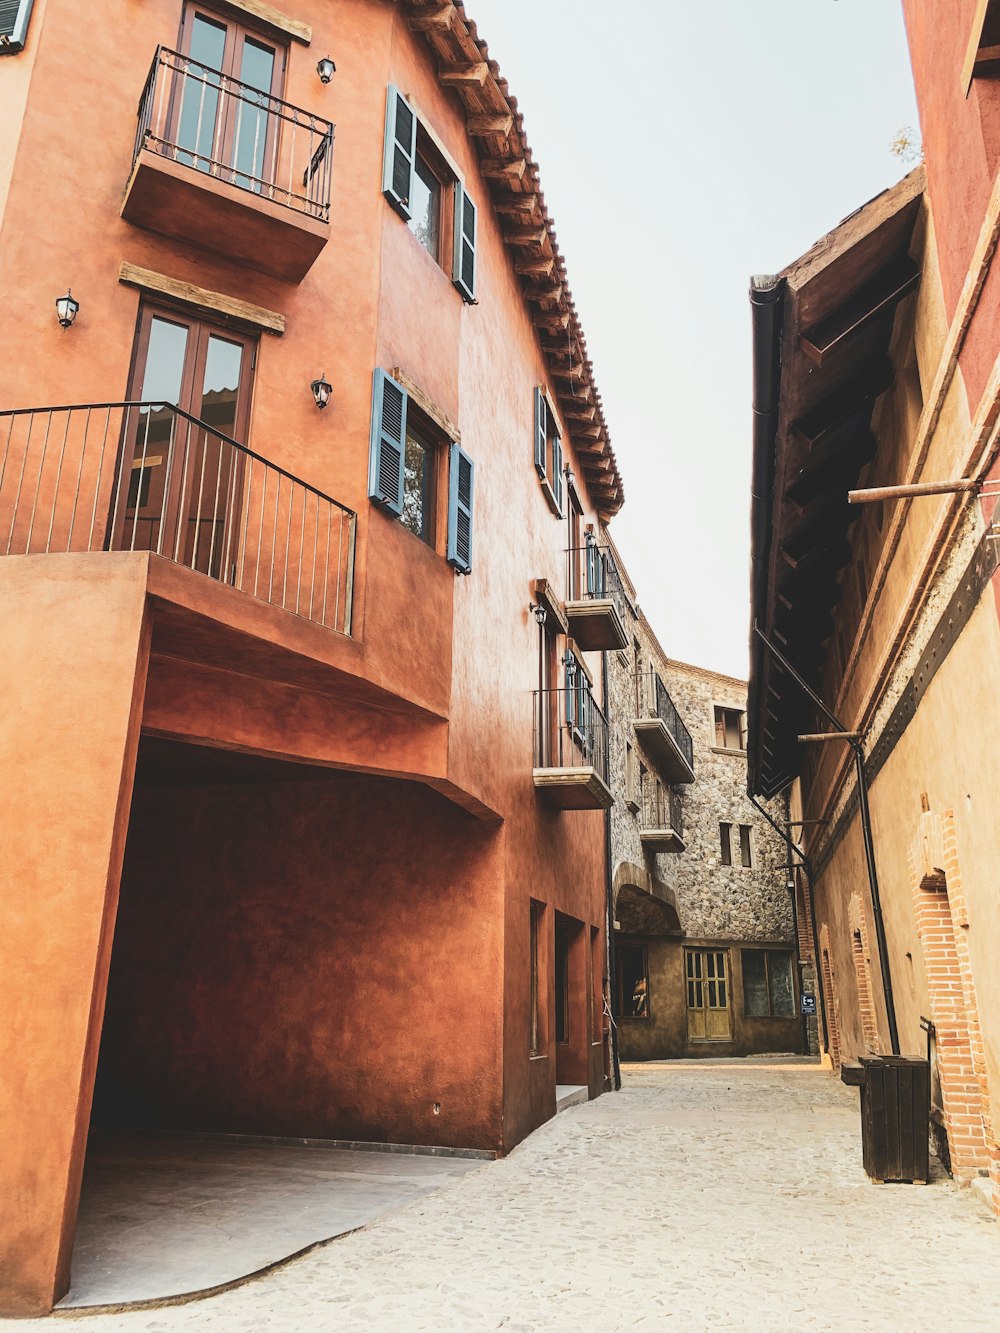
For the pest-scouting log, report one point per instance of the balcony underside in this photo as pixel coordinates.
(596, 625)
(573, 788)
(663, 750)
(178, 201)
(661, 840)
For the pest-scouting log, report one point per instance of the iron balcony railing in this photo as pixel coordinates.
(661, 808)
(570, 729)
(654, 701)
(149, 477)
(236, 133)
(591, 572)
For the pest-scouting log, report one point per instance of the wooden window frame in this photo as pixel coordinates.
(746, 846)
(767, 953)
(721, 713)
(725, 843)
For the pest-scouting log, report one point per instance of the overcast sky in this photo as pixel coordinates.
(684, 146)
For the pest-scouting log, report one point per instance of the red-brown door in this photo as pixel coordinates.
(179, 487)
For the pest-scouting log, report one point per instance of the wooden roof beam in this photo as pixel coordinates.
(502, 169)
(456, 73)
(551, 320)
(527, 237)
(428, 18)
(485, 124)
(544, 292)
(882, 294)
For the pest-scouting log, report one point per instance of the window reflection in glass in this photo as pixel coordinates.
(425, 207)
(418, 486)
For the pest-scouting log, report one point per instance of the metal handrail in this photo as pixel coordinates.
(661, 808)
(592, 574)
(148, 475)
(655, 701)
(570, 730)
(275, 124)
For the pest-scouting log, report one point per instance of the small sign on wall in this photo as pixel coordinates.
(808, 1004)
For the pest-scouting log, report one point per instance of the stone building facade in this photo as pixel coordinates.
(704, 960)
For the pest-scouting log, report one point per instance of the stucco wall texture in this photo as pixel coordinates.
(432, 695)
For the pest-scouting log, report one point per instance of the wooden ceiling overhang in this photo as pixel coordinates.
(507, 165)
(822, 334)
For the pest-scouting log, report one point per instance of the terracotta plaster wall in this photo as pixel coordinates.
(74, 648)
(948, 752)
(319, 959)
(961, 137)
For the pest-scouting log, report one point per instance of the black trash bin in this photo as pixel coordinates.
(895, 1115)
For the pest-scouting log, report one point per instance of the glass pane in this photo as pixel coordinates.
(251, 113)
(722, 995)
(425, 207)
(755, 998)
(782, 994)
(164, 370)
(712, 995)
(220, 388)
(417, 498)
(200, 93)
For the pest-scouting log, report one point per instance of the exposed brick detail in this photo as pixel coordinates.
(830, 995)
(942, 925)
(861, 955)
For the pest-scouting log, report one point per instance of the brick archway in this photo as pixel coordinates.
(942, 925)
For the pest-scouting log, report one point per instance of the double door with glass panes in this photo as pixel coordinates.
(224, 114)
(179, 485)
(707, 985)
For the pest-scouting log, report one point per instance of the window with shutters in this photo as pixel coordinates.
(407, 456)
(14, 16)
(424, 188)
(548, 452)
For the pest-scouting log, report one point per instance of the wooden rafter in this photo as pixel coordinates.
(472, 71)
(427, 18)
(490, 123)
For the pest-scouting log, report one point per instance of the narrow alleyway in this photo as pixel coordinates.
(711, 1196)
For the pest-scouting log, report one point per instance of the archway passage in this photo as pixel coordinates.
(268, 976)
(645, 1002)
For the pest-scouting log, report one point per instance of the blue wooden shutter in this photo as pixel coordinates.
(541, 414)
(388, 444)
(463, 269)
(400, 151)
(557, 480)
(14, 15)
(460, 479)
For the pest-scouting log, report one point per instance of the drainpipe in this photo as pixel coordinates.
(795, 849)
(616, 1069)
(866, 832)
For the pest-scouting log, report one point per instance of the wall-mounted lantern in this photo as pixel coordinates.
(326, 69)
(66, 309)
(321, 391)
(539, 612)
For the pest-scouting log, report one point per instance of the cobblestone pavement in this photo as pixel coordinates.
(717, 1196)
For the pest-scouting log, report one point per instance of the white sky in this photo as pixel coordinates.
(683, 146)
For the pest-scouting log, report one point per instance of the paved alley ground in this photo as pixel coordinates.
(711, 1196)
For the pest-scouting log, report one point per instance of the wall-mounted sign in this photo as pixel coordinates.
(808, 1004)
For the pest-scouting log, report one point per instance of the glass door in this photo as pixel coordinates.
(707, 981)
(224, 119)
(179, 488)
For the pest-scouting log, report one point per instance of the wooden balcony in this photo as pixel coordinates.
(229, 168)
(661, 732)
(596, 607)
(571, 749)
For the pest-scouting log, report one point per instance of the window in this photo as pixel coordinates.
(768, 991)
(418, 485)
(536, 1038)
(631, 796)
(14, 15)
(632, 1000)
(745, 857)
(403, 467)
(725, 844)
(548, 452)
(424, 190)
(730, 729)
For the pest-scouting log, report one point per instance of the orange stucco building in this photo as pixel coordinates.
(303, 608)
(877, 370)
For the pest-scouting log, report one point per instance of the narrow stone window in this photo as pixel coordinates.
(746, 858)
(726, 844)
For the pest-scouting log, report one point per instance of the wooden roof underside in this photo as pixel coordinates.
(507, 164)
(840, 306)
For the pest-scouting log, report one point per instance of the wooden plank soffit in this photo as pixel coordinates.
(189, 294)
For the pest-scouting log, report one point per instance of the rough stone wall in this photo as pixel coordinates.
(713, 901)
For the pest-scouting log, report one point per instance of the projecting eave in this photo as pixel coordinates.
(822, 330)
(511, 174)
